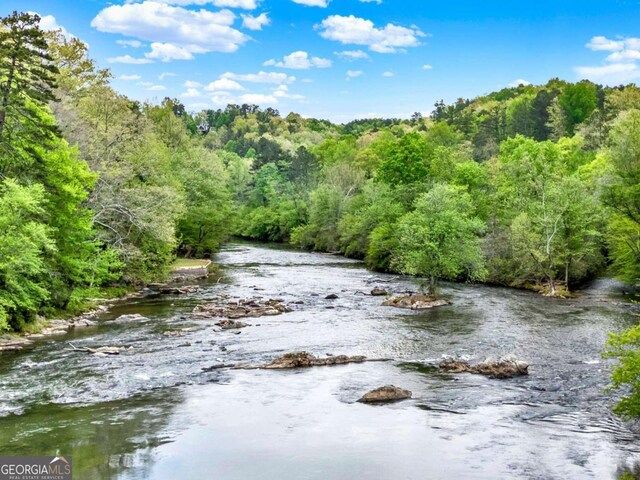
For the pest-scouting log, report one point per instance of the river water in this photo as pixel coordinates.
(153, 413)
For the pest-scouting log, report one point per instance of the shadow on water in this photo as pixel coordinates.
(105, 438)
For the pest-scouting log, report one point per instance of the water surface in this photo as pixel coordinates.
(153, 413)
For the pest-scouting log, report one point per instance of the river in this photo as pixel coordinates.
(153, 413)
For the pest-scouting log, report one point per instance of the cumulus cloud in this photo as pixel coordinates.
(352, 55)
(164, 75)
(225, 98)
(244, 4)
(176, 33)
(388, 74)
(192, 84)
(313, 3)
(128, 59)
(621, 63)
(426, 66)
(379, 2)
(157, 88)
(600, 43)
(191, 93)
(612, 74)
(255, 23)
(48, 23)
(299, 60)
(129, 77)
(518, 82)
(282, 91)
(129, 43)
(260, 77)
(224, 84)
(352, 30)
(354, 74)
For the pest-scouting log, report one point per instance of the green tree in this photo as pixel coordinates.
(26, 80)
(441, 238)
(625, 347)
(622, 195)
(25, 242)
(406, 162)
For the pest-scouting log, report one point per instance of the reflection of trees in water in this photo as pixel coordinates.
(626, 472)
(104, 439)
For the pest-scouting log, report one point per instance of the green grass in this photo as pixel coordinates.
(189, 262)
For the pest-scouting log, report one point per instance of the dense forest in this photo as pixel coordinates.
(534, 187)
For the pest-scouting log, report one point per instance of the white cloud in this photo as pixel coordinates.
(129, 60)
(157, 88)
(129, 43)
(352, 30)
(48, 23)
(244, 4)
(168, 51)
(191, 93)
(612, 74)
(164, 75)
(176, 33)
(313, 3)
(282, 91)
(352, 55)
(427, 67)
(600, 43)
(223, 84)
(260, 77)
(520, 81)
(354, 74)
(299, 60)
(258, 99)
(255, 23)
(129, 77)
(624, 56)
(379, 2)
(225, 98)
(388, 74)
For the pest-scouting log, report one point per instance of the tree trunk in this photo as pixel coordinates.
(5, 96)
(433, 286)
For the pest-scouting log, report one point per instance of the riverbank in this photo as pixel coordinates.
(183, 270)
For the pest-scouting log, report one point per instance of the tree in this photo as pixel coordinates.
(441, 238)
(578, 101)
(625, 346)
(622, 195)
(406, 162)
(26, 79)
(24, 243)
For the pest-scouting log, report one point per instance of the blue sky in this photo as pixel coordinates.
(401, 55)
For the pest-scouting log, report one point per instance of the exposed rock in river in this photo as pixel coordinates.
(332, 296)
(100, 350)
(231, 324)
(253, 307)
(305, 360)
(388, 393)
(179, 290)
(415, 302)
(497, 369)
(136, 317)
(379, 292)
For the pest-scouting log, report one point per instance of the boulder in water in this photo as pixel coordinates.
(496, 369)
(231, 324)
(379, 292)
(418, 301)
(332, 296)
(388, 393)
(253, 307)
(306, 360)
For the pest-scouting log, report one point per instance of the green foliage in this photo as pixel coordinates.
(625, 347)
(406, 162)
(578, 101)
(441, 238)
(25, 242)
